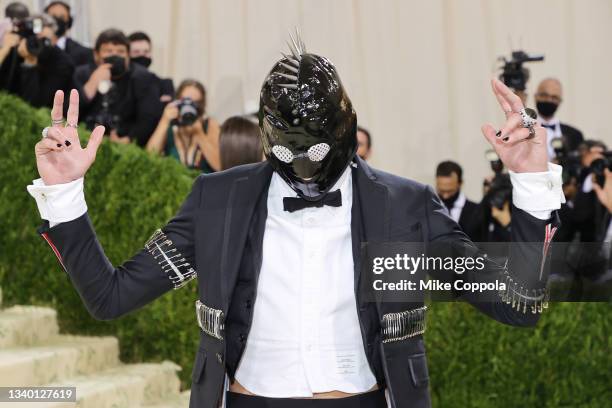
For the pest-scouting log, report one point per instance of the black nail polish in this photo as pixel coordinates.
(498, 134)
(505, 139)
(67, 143)
(59, 145)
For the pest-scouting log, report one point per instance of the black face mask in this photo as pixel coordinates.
(450, 201)
(118, 65)
(307, 122)
(144, 61)
(62, 27)
(546, 109)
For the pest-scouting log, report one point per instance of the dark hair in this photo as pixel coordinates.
(58, 3)
(367, 133)
(16, 10)
(239, 142)
(590, 143)
(113, 36)
(446, 168)
(196, 84)
(139, 36)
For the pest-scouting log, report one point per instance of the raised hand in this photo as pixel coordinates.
(59, 156)
(518, 151)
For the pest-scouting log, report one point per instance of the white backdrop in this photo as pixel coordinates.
(417, 71)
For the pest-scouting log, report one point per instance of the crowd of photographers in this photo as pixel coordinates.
(117, 89)
(582, 254)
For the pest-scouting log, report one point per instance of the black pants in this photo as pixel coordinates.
(372, 399)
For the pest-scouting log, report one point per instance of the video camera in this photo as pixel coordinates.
(514, 75)
(29, 28)
(500, 191)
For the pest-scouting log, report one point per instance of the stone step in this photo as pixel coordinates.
(27, 325)
(62, 357)
(124, 386)
(179, 401)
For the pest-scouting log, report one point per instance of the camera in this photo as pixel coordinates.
(496, 164)
(500, 191)
(29, 28)
(514, 75)
(598, 166)
(188, 112)
(569, 160)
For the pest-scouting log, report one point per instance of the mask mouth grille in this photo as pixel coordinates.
(282, 153)
(317, 152)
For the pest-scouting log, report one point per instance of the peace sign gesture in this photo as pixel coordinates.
(519, 149)
(59, 155)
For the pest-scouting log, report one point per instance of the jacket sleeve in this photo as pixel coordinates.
(165, 262)
(524, 271)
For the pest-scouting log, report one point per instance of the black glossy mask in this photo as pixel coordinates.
(118, 65)
(308, 125)
(546, 109)
(62, 27)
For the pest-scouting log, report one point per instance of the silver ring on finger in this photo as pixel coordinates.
(72, 125)
(56, 122)
(45, 132)
(529, 117)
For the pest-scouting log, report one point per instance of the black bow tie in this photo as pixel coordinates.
(552, 127)
(292, 204)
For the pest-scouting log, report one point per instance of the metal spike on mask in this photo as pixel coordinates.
(291, 77)
(290, 68)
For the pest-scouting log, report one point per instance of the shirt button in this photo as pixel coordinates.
(310, 220)
(549, 185)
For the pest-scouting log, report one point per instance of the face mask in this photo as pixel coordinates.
(144, 61)
(62, 26)
(546, 109)
(450, 201)
(118, 65)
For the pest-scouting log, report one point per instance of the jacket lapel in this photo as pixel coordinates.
(244, 195)
(369, 214)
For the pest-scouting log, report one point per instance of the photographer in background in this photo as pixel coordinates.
(364, 143)
(449, 179)
(548, 98)
(79, 54)
(239, 142)
(140, 53)
(185, 133)
(498, 204)
(13, 11)
(32, 67)
(122, 96)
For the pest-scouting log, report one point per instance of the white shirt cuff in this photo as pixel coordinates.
(59, 202)
(538, 193)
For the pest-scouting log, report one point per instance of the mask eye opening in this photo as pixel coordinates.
(317, 153)
(282, 153)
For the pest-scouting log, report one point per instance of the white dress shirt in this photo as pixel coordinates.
(305, 336)
(458, 205)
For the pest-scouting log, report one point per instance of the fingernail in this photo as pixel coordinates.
(498, 134)
(59, 145)
(67, 143)
(505, 139)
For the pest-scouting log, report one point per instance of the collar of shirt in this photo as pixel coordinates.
(61, 43)
(460, 201)
(313, 216)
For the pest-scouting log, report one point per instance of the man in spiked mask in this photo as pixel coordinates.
(283, 312)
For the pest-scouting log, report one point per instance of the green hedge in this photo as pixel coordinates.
(473, 361)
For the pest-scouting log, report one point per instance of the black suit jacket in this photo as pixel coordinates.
(572, 137)
(79, 54)
(212, 231)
